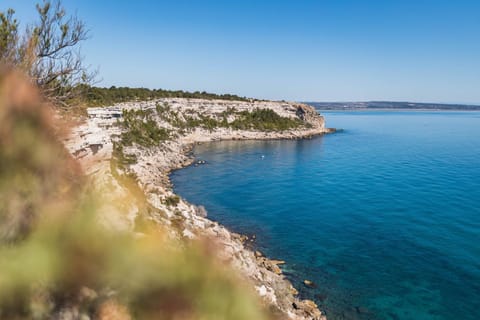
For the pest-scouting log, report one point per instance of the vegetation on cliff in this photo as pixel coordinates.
(58, 261)
(264, 120)
(257, 119)
(98, 96)
(140, 127)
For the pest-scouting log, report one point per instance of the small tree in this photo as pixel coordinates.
(48, 52)
(8, 37)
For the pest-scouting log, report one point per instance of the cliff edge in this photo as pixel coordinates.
(147, 140)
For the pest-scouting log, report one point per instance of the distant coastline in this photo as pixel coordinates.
(392, 105)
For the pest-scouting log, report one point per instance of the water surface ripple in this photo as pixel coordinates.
(384, 217)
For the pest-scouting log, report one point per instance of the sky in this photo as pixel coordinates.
(335, 50)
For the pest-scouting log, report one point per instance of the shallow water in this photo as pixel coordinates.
(384, 216)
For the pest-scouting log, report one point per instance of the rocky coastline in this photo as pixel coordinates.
(94, 142)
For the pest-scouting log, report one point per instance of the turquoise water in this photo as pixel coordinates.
(384, 216)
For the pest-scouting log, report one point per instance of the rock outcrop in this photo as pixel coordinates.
(93, 144)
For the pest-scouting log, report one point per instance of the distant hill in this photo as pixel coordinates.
(390, 105)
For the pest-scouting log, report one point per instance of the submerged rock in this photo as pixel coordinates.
(309, 284)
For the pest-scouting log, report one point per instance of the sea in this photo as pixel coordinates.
(383, 216)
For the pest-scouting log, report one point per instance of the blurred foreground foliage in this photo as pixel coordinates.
(57, 262)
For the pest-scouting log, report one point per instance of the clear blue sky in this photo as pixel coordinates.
(336, 50)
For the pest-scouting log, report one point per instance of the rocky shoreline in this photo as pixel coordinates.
(93, 144)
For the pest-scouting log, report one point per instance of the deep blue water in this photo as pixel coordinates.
(384, 216)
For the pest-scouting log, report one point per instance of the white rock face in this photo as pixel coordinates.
(92, 143)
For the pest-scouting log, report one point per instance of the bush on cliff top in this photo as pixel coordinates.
(108, 96)
(258, 119)
(264, 120)
(139, 127)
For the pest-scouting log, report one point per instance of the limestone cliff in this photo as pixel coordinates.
(176, 125)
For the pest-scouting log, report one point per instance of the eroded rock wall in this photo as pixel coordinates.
(92, 143)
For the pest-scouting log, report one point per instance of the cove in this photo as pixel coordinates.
(384, 216)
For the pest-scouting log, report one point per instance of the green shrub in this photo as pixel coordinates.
(172, 200)
(264, 120)
(258, 119)
(97, 96)
(139, 128)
